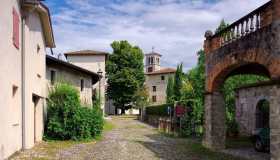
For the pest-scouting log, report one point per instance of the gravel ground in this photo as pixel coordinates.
(129, 140)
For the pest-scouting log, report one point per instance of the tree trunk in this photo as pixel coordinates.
(123, 111)
(116, 110)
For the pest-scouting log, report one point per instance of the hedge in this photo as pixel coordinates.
(159, 110)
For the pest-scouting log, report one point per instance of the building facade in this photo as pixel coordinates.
(24, 38)
(82, 79)
(156, 78)
(93, 61)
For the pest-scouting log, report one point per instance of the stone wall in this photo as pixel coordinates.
(246, 102)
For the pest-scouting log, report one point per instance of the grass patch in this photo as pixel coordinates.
(194, 148)
(123, 117)
(240, 142)
(108, 126)
(204, 153)
(135, 126)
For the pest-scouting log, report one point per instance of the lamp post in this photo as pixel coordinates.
(100, 78)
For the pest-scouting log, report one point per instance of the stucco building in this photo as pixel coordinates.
(156, 78)
(93, 61)
(25, 35)
(82, 79)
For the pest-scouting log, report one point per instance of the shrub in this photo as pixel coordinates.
(159, 110)
(186, 125)
(88, 123)
(67, 119)
(232, 128)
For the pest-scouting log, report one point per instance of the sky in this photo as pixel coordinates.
(175, 28)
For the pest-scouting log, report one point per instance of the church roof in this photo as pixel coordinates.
(162, 71)
(153, 53)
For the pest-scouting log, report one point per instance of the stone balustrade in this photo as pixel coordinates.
(246, 25)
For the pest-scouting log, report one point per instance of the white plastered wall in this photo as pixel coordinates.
(92, 63)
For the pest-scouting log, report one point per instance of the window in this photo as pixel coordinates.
(53, 76)
(162, 78)
(154, 88)
(154, 98)
(38, 48)
(150, 69)
(152, 60)
(82, 84)
(15, 88)
(15, 28)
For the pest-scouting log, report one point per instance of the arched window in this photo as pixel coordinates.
(262, 114)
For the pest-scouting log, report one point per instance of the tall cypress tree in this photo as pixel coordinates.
(178, 82)
(170, 90)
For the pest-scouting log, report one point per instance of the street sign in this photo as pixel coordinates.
(180, 110)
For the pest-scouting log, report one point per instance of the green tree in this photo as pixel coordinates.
(170, 90)
(178, 83)
(142, 97)
(196, 79)
(222, 26)
(125, 73)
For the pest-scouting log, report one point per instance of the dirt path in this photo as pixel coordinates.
(129, 140)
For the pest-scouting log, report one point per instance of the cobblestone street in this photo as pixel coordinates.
(128, 140)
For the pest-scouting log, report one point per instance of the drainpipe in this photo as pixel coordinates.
(23, 78)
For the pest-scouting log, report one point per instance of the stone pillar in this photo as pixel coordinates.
(275, 35)
(275, 122)
(276, 10)
(207, 43)
(214, 121)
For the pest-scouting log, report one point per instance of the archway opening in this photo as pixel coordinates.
(222, 107)
(262, 114)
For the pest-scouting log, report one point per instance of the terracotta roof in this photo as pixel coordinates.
(153, 53)
(86, 52)
(162, 71)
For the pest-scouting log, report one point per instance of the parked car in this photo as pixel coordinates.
(261, 139)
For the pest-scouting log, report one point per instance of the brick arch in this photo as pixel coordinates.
(253, 61)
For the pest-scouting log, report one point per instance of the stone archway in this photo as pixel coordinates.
(215, 128)
(249, 45)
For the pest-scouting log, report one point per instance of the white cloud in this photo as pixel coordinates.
(175, 28)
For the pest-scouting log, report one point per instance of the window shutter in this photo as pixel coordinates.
(15, 28)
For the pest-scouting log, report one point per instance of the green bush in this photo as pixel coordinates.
(232, 128)
(159, 110)
(67, 119)
(187, 128)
